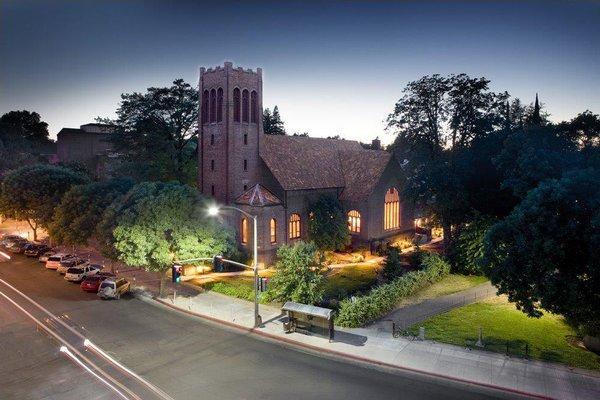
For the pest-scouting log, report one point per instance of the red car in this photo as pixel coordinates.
(92, 283)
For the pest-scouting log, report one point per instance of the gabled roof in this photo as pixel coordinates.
(362, 171)
(258, 196)
(305, 163)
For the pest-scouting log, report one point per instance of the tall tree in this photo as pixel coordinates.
(156, 133)
(32, 193)
(25, 125)
(328, 224)
(272, 123)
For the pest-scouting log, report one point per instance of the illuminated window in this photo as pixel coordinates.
(253, 107)
(244, 230)
(205, 105)
(245, 105)
(213, 105)
(354, 221)
(236, 105)
(273, 227)
(391, 210)
(220, 105)
(294, 228)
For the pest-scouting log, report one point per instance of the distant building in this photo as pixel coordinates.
(278, 177)
(88, 146)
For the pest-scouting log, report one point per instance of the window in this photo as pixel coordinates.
(253, 107)
(205, 106)
(294, 227)
(220, 105)
(245, 165)
(212, 165)
(213, 105)
(245, 106)
(273, 229)
(212, 190)
(391, 210)
(354, 221)
(245, 138)
(212, 139)
(245, 187)
(244, 231)
(236, 105)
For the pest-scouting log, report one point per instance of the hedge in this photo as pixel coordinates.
(381, 300)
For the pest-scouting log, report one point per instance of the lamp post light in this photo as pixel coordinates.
(214, 211)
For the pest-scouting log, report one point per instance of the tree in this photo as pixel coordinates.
(32, 193)
(328, 224)
(158, 223)
(584, 130)
(299, 274)
(392, 268)
(544, 255)
(82, 207)
(272, 123)
(25, 125)
(156, 133)
(468, 250)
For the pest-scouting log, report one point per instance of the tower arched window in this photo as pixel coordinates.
(354, 221)
(245, 105)
(244, 231)
(273, 230)
(213, 105)
(220, 105)
(205, 105)
(391, 210)
(253, 107)
(294, 226)
(236, 105)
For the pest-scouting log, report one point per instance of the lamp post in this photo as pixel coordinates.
(214, 211)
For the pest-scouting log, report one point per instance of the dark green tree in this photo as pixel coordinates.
(156, 133)
(392, 268)
(24, 125)
(158, 223)
(584, 130)
(299, 274)
(544, 255)
(82, 207)
(32, 193)
(468, 250)
(272, 123)
(328, 224)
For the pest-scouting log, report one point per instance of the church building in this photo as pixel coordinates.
(278, 177)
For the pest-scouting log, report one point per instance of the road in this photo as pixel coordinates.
(184, 356)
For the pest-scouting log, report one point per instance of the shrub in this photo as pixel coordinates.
(384, 298)
(392, 268)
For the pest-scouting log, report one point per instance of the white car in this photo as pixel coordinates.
(113, 288)
(77, 274)
(70, 263)
(55, 260)
(44, 257)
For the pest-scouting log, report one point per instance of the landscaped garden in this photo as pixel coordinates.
(548, 338)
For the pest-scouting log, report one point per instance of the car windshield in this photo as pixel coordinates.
(74, 271)
(92, 278)
(54, 259)
(107, 285)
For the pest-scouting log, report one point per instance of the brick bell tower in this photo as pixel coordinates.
(230, 127)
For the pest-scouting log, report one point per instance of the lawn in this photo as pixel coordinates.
(449, 284)
(342, 282)
(549, 337)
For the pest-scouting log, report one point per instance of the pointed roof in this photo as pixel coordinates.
(258, 196)
(362, 171)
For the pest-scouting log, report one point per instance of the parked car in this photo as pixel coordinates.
(55, 260)
(77, 274)
(92, 282)
(113, 288)
(10, 243)
(70, 263)
(6, 239)
(36, 250)
(44, 257)
(19, 247)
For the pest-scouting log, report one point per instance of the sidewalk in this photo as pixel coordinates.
(372, 345)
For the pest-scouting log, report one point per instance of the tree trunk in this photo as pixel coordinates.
(447, 237)
(34, 229)
(161, 287)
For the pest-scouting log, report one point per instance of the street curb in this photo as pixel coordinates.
(339, 354)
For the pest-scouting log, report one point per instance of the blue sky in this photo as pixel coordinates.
(332, 67)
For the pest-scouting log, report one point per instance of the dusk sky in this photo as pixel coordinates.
(331, 67)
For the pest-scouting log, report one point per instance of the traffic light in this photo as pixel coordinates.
(218, 263)
(176, 273)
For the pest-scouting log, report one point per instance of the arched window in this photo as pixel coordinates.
(245, 105)
(253, 107)
(213, 105)
(294, 226)
(236, 105)
(391, 215)
(205, 106)
(273, 230)
(244, 230)
(354, 221)
(220, 105)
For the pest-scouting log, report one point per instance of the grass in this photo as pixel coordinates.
(452, 283)
(342, 282)
(549, 338)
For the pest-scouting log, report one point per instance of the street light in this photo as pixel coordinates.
(214, 211)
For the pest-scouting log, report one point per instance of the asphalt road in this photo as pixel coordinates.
(184, 356)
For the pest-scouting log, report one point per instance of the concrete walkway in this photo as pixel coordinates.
(376, 346)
